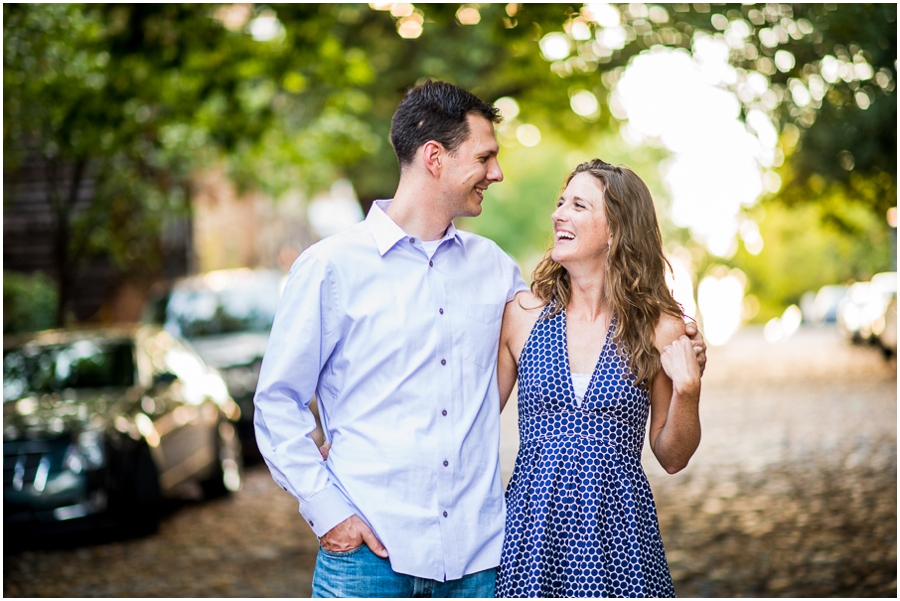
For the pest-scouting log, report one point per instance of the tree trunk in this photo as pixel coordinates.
(64, 209)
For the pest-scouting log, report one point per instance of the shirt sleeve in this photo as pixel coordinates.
(304, 334)
(517, 284)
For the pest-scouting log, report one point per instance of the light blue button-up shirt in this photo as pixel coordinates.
(401, 352)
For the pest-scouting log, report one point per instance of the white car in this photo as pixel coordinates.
(882, 290)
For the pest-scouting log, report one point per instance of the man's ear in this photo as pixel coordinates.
(432, 156)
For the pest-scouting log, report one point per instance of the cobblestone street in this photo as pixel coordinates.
(791, 494)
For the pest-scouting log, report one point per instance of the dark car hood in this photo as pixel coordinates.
(43, 416)
(228, 350)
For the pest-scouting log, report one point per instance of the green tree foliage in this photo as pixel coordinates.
(29, 302)
(802, 253)
(95, 111)
(136, 97)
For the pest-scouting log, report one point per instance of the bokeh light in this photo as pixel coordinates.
(672, 98)
(585, 104)
(680, 281)
(555, 46)
(266, 27)
(508, 107)
(784, 60)
(612, 38)
(468, 14)
(579, 29)
(721, 304)
(401, 9)
(528, 135)
(410, 28)
(603, 14)
(782, 328)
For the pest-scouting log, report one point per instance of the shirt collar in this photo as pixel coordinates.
(387, 233)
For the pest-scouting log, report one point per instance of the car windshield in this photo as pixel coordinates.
(239, 304)
(81, 364)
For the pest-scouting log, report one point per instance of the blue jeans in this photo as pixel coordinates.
(361, 573)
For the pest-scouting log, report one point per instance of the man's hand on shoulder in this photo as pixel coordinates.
(693, 333)
(350, 534)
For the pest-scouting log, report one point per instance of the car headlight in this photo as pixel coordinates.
(86, 453)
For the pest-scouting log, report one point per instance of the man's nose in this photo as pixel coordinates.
(495, 174)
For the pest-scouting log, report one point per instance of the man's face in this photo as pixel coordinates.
(471, 169)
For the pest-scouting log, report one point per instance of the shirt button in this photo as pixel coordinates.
(446, 463)
(412, 240)
(443, 362)
(312, 524)
(444, 413)
(445, 514)
(441, 310)
(431, 263)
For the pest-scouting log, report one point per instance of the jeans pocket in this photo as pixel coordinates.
(339, 554)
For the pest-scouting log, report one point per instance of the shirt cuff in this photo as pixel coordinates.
(326, 509)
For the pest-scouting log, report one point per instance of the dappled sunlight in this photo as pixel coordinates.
(718, 164)
(782, 328)
(721, 303)
(671, 98)
(680, 281)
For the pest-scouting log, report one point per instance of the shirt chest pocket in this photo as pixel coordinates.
(482, 333)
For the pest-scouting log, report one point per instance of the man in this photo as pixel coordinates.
(394, 325)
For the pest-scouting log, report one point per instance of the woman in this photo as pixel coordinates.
(597, 345)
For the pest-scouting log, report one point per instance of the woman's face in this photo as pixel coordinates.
(581, 232)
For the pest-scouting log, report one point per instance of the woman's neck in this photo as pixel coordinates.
(588, 300)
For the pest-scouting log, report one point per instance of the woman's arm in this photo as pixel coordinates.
(675, 398)
(518, 319)
(507, 367)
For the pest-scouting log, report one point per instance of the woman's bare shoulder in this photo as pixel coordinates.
(521, 314)
(668, 328)
(526, 304)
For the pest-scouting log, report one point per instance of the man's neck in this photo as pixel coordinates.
(414, 209)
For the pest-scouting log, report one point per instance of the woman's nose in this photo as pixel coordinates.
(557, 214)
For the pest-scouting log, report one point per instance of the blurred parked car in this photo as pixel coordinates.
(885, 329)
(850, 310)
(226, 316)
(825, 305)
(883, 288)
(863, 313)
(100, 424)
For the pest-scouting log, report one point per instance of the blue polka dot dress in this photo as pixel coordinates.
(581, 521)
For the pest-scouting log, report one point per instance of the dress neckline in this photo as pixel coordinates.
(565, 342)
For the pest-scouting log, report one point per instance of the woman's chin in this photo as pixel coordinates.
(559, 255)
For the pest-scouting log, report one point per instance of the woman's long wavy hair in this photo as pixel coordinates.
(635, 283)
